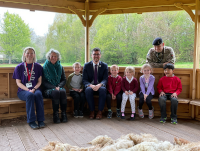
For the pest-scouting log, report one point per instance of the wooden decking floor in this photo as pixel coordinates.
(19, 136)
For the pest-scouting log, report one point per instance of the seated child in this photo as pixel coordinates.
(169, 87)
(114, 90)
(129, 87)
(147, 90)
(74, 83)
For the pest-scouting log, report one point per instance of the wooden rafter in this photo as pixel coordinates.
(101, 10)
(77, 12)
(187, 9)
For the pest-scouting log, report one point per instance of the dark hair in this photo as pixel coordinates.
(169, 66)
(96, 49)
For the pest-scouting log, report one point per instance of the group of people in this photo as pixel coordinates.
(30, 76)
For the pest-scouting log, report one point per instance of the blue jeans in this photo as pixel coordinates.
(89, 93)
(31, 99)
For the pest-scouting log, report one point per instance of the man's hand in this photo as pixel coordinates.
(126, 92)
(95, 87)
(145, 97)
(162, 94)
(174, 95)
(131, 92)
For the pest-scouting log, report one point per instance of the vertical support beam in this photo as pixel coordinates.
(8, 85)
(87, 32)
(196, 47)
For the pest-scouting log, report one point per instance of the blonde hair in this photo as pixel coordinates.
(24, 58)
(76, 63)
(146, 66)
(130, 69)
(114, 66)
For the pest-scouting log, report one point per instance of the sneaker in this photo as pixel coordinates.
(109, 114)
(140, 112)
(80, 114)
(132, 116)
(76, 114)
(174, 121)
(163, 120)
(122, 115)
(151, 113)
(118, 113)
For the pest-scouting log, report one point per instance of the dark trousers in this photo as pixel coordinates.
(148, 100)
(89, 93)
(59, 97)
(174, 104)
(31, 99)
(79, 100)
(109, 98)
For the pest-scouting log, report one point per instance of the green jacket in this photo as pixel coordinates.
(69, 81)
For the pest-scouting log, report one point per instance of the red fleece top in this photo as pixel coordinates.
(169, 85)
(133, 86)
(114, 85)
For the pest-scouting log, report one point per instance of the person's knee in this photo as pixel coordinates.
(56, 94)
(174, 101)
(161, 100)
(88, 90)
(102, 90)
(30, 96)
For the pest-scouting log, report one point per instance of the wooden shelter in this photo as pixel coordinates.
(87, 11)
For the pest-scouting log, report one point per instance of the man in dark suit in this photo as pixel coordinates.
(95, 77)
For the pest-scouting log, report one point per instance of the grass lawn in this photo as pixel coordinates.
(177, 65)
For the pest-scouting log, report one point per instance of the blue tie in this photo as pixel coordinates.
(95, 75)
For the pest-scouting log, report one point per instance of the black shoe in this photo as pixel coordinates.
(109, 114)
(41, 124)
(33, 125)
(64, 117)
(80, 114)
(132, 117)
(123, 115)
(118, 113)
(56, 118)
(76, 113)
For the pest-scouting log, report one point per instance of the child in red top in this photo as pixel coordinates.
(129, 87)
(114, 90)
(169, 87)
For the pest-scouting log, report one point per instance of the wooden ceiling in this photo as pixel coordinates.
(111, 6)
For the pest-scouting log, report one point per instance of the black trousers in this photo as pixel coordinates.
(59, 97)
(109, 98)
(79, 100)
(148, 100)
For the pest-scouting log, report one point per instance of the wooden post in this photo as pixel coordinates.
(196, 47)
(87, 32)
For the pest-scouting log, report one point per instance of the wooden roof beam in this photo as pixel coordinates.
(101, 10)
(78, 13)
(187, 9)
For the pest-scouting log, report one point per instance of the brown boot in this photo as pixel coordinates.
(91, 115)
(99, 115)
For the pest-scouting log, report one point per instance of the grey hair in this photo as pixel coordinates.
(24, 58)
(55, 51)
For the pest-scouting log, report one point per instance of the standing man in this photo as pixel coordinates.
(160, 55)
(95, 77)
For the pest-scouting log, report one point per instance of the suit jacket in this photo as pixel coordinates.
(88, 73)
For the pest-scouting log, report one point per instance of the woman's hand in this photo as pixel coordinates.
(32, 91)
(58, 88)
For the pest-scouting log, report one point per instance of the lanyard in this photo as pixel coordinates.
(29, 74)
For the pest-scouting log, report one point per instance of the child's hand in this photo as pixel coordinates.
(113, 97)
(145, 97)
(75, 89)
(126, 92)
(174, 95)
(131, 92)
(80, 90)
(162, 94)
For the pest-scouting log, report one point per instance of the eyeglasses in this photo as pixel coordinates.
(96, 54)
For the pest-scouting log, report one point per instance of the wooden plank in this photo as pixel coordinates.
(14, 139)
(4, 143)
(27, 139)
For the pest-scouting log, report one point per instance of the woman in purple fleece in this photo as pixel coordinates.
(147, 90)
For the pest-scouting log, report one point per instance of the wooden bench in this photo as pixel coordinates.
(195, 109)
(14, 107)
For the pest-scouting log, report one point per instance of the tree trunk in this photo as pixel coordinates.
(10, 59)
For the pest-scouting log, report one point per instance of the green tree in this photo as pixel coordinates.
(15, 35)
